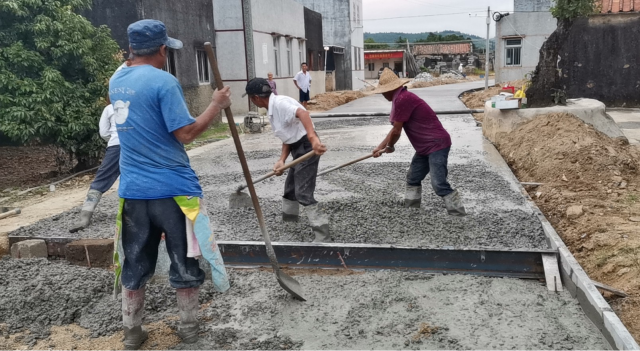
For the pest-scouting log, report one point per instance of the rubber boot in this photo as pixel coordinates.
(453, 203)
(188, 308)
(319, 222)
(93, 197)
(132, 310)
(290, 210)
(413, 196)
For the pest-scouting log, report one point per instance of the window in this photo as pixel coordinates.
(300, 44)
(513, 49)
(204, 77)
(371, 66)
(170, 64)
(276, 43)
(385, 65)
(289, 59)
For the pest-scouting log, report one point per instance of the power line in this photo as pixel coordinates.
(431, 15)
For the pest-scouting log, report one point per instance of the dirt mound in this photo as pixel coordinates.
(590, 195)
(559, 147)
(26, 165)
(327, 101)
(440, 81)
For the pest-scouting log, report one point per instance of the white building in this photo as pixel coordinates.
(255, 37)
(519, 37)
(342, 25)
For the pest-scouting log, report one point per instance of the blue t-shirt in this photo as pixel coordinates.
(148, 106)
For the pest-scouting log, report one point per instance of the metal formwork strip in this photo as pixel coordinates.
(485, 262)
(252, 254)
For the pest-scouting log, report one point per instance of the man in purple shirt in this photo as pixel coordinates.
(430, 140)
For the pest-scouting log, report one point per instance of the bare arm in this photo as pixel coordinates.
(286, 150)
(305, 118)
(296, 83)
(387, 145)
(220, 100)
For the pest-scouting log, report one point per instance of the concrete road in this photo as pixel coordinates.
(443, 97)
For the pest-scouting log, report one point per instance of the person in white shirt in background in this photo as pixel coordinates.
(292, 124)
(109, 169)
(302, 80)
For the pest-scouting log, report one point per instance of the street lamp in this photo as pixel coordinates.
(326, 48)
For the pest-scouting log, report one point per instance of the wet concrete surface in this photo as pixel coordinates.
(379, 310)
(364, 200)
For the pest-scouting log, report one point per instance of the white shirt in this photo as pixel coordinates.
(303, 80)
(108, 130)
(282, 116)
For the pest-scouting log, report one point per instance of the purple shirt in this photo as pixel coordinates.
(272, 84)
(422, 126)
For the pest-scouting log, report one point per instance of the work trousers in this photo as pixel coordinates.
(301, 180)
(143, 222)
(109, 170)
(434, 163)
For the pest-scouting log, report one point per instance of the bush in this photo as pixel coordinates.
(54, 73)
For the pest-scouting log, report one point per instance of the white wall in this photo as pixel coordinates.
(357, 41)
(536, 28)
(230, 50)
(380, 63)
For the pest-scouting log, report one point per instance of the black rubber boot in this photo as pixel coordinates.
(188, 308)
(93, 197)
(132, 310)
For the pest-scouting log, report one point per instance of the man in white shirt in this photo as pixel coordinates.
(292, 124)
(302, 80)
(109, 169)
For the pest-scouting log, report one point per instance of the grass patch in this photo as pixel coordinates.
(214, 133)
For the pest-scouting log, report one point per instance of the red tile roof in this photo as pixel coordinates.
(441, 48)
(615, 6)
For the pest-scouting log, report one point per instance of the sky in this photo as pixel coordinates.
(467, 16)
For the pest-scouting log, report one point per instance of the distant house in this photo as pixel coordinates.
(519, 37)
(448, 54)
(342, 27)
(377, 60)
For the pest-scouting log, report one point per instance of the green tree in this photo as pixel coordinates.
(370, 43)
(571, 9)
(54, 73)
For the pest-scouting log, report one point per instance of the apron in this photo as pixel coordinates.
(200, 241)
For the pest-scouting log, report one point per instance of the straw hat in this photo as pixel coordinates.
(389, 81)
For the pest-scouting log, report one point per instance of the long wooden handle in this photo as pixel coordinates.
(243, 160)
(345, 165)
(300, 159)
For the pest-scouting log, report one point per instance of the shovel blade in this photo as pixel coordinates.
(240, 200)
(290, 285)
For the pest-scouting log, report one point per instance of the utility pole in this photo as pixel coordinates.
(486, 52)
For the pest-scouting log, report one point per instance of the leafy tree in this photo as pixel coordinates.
(54, 73)
(571, 9)
(370, 43)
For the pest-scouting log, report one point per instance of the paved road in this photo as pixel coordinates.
(443, 97)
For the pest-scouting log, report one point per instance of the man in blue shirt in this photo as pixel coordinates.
(153, 123)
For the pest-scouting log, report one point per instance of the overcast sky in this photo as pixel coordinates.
(440, 15)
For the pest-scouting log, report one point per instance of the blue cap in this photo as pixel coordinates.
(146, 34)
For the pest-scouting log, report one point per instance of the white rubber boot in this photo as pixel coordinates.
(290, 210)
(93, 197)
(413, 196)
(132, 311)
(188, 308)
(453, 203)
(319, 222)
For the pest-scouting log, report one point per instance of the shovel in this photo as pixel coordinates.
(240, 199)
(286, 282)
(347, 164)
